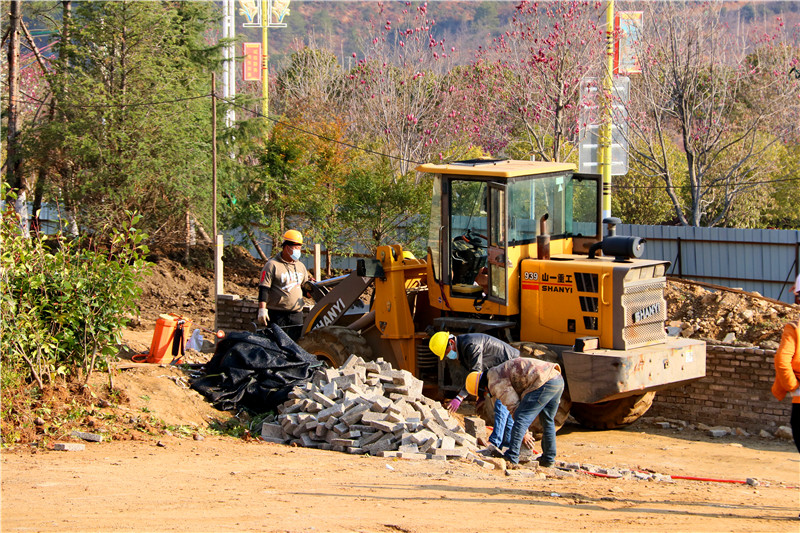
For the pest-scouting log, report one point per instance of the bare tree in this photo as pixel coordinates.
(722, 104)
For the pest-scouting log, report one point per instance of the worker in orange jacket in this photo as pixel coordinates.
(787, 374)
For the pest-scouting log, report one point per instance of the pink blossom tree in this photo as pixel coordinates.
(402, 98)
(525, 86)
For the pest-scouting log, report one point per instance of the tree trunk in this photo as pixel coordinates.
(16, 180)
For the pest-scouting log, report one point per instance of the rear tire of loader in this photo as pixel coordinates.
(334, 344)
(614, 413)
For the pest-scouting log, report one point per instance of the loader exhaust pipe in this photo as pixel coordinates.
(543, 239)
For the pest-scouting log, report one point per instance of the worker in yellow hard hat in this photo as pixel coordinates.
(477, 352)
(528, 388)
(280, 293)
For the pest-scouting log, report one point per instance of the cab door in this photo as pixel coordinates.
(497, 252)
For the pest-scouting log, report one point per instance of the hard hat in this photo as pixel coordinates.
(438, 343)
(473, 379)
(294, 236)
(408, 255)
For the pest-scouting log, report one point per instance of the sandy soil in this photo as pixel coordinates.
(225, 484)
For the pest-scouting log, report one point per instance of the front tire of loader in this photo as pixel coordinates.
(614, 413)
(334, 344)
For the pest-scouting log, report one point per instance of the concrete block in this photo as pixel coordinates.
(385, 426)
(91, 437)
(69, 446)
(273, 431)
(335, 410)
(354, 414)
(448, 443)
(412, 455)
(381, 404)
(388, 453)
(371, 416)
(322, 399)
(345, 442)
(371, 438)
(410, 448)
(331, 390)
(475, 426)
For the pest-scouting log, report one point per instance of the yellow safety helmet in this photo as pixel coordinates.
(293, 236)
(473, 379)
(408, 255)
(438, 343)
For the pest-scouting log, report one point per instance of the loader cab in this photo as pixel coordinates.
(487, 216)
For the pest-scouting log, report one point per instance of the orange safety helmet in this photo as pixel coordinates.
(293, 236)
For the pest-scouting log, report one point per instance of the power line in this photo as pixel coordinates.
(356, 147)
(323, 137)
(613, 186)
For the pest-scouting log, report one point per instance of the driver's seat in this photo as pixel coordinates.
(466, 289)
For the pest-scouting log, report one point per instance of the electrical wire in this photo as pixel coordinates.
(356, 147)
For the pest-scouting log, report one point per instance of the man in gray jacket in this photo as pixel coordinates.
(528, 388)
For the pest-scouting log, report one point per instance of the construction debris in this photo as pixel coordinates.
(370, 408)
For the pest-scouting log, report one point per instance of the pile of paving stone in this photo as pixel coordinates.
(370, 408)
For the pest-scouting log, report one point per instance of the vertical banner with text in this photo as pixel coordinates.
(628, 29)
(252, 62)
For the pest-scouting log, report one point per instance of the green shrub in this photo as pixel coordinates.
(64, 301)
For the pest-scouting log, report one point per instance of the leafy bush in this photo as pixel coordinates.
(64, 302)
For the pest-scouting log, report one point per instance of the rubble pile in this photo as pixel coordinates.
(723, 317)
(370, 408)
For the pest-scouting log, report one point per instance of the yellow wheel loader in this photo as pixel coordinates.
(518, 250)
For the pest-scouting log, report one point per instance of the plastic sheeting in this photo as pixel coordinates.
(255, 370)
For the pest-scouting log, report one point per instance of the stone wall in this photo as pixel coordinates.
(736, 392)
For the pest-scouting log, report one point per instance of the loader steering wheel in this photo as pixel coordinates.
(474, 238)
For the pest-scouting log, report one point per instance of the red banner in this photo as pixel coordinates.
(628, 29)
(252, 62)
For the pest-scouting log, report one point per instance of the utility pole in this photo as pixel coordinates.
(264, 60)
(606, 110)
(229, 57)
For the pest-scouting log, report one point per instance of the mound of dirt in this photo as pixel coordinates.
(727, 317)
(187, 288)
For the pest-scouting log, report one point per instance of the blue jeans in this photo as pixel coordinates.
(503, 424)
(542, 402)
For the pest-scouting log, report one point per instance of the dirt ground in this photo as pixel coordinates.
(165, 464)
(225, 484)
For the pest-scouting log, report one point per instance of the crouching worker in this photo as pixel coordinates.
(528, 388)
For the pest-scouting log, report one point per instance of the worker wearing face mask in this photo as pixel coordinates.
(280, 293)
(478, 352)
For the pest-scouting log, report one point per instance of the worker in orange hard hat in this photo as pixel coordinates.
(280, 293)
(528, 388)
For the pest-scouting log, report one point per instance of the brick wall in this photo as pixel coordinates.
(235, 313)
(736, 392)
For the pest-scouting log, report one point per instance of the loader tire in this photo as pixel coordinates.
(614, 413)
(334, 344)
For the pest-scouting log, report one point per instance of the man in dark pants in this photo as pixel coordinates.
(280, 293)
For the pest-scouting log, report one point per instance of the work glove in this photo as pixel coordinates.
(455, 403)
(263, 316)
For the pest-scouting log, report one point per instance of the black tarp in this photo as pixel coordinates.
(255, 370)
